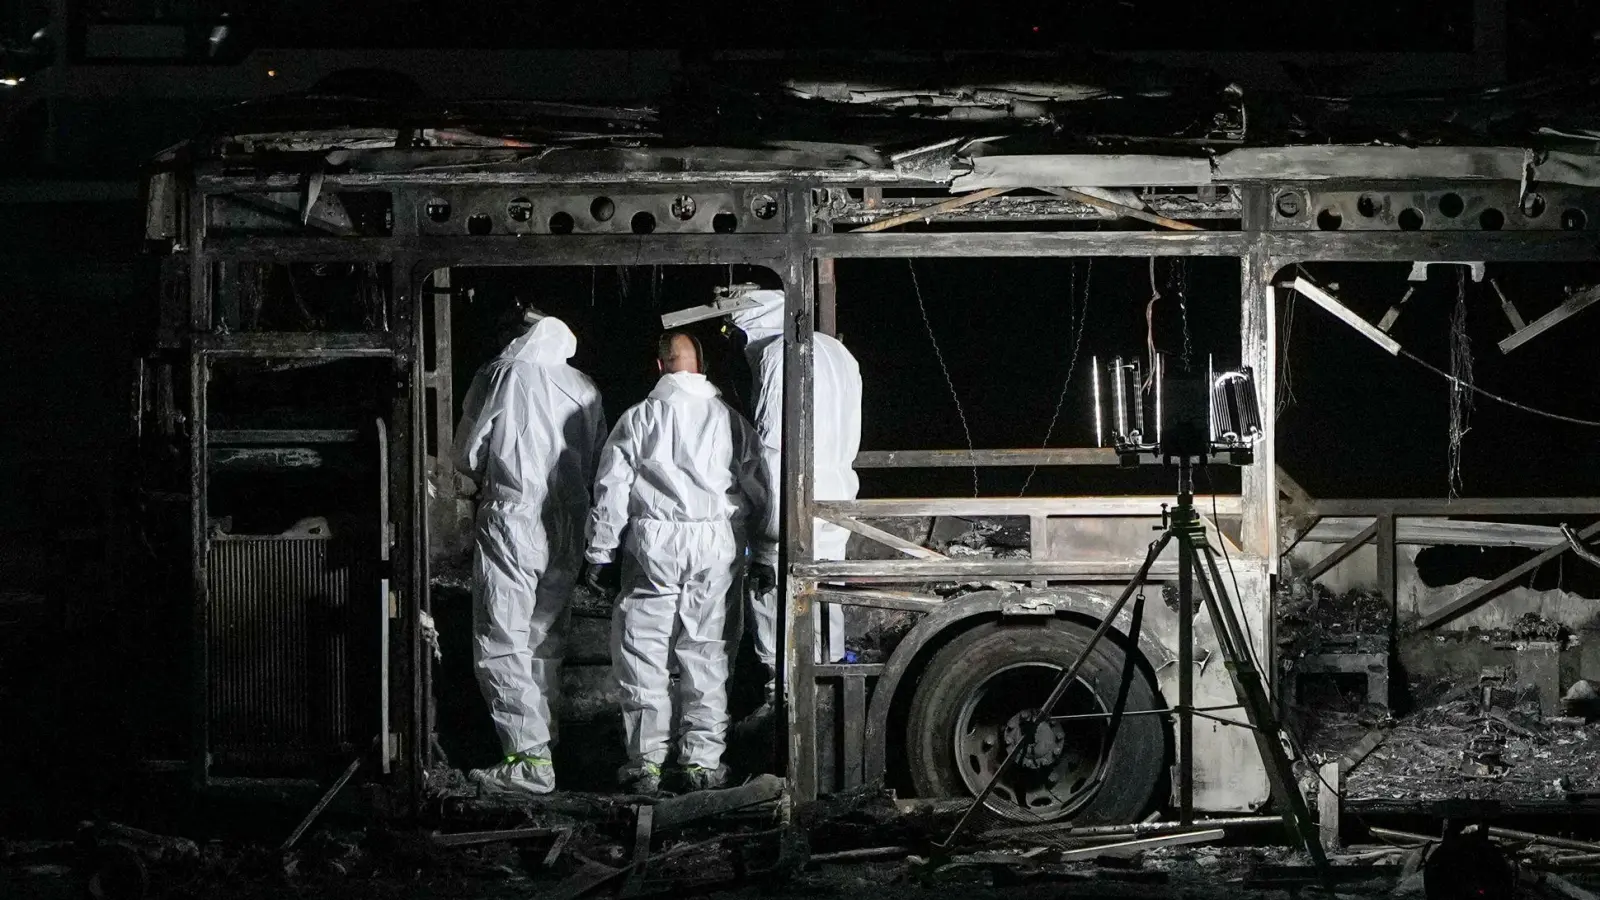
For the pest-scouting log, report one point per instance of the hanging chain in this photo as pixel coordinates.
(1461, 383)
(1178, 282)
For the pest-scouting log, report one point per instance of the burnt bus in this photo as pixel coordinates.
(327, 292)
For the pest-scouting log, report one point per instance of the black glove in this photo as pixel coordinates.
(762, 578)
(602, 578)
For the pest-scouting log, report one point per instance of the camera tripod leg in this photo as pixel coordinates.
(1248, 683)
(1067, 677)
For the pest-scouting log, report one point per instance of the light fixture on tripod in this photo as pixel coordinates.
(1193, 420)
(1207, 418)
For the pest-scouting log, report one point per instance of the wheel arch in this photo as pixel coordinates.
(892, 695)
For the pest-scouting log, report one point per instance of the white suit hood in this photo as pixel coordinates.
(549, 342)
(762, 321)
(532, 426)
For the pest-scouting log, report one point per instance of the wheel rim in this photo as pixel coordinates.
(1059, 769)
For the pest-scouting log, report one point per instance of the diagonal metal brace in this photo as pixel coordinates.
(1583, 553)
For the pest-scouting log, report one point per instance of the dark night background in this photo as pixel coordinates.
(76, 287)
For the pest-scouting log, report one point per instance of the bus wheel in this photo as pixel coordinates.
(979, 697)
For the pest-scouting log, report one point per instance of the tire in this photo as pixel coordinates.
(987, 675)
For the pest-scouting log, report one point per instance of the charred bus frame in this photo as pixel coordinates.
(1265, 222)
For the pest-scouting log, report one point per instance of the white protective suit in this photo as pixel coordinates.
(836, 438)
(530, 436)
(681, 474)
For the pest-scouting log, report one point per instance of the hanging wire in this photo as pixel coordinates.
(594, 280)
(1558, 417)
(1150, 326)
(1460, 382)
(916, 289)
(1076, 333)
(1285, 377)
(622, 286)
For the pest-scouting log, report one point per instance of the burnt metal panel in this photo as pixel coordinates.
(1466, 206)
(689, 209)
(290, 637)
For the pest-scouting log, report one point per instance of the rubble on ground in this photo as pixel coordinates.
(1455, 747)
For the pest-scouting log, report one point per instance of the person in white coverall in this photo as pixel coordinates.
(680, 479)
(530, 436)
(836, 438)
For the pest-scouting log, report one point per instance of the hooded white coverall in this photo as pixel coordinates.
(530, 436)
(681, 474)
(836, 438)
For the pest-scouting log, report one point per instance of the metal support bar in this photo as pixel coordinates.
(853, 713)
(827, 298)
(880, 536)
(1342, 552)
(285, 344)
(1344, 314)
(1461, 506)
(998, 569)
(284, 436)
(1258, 349)
(1330, 794)
(1482, 594)
(1388, 320)
(1571, 306)
(1185, 685)
(1509, 308)
(849, 245)
(1582, 552)
(442, 378)
(798, 639)
(1133, 506)
(963, 459)
(1387, 576)
(876, 599)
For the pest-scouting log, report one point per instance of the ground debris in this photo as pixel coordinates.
(1434, 753)
(1313, 619)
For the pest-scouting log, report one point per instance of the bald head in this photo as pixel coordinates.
(678, 352)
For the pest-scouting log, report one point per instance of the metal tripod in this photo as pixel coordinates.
(1197, 568)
